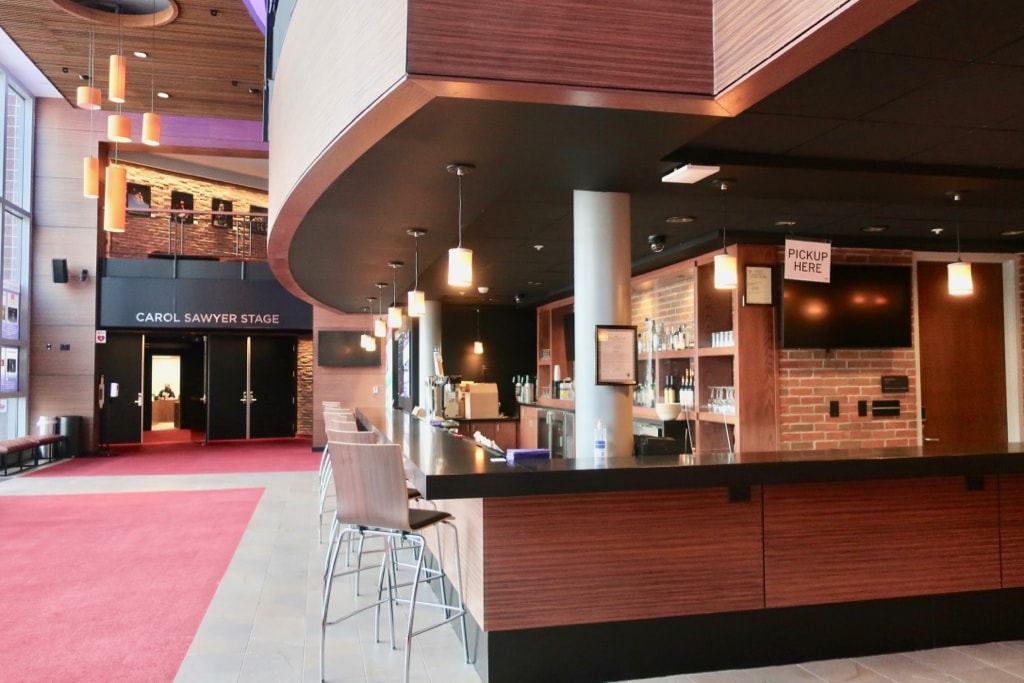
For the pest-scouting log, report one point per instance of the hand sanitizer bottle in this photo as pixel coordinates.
(600, 440)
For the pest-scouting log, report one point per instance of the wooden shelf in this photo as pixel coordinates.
(710, 351)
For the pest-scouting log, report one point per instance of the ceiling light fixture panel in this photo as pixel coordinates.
(689, 174)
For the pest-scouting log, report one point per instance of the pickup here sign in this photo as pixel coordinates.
(810, 261)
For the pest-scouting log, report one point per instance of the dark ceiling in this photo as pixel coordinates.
(875, 136)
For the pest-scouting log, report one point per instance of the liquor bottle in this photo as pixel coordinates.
(669, 395)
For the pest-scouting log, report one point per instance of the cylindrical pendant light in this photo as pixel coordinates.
(116, 87)
(151, 129)
(959, 279)
(119, 128)
(394, 310)
(368, 341)
(380, 326)
(91, 177)
(114, 198)
(478, 346)
(417, 300)
(89, 97)
(725, 271)
(460, 260)
(725, 263)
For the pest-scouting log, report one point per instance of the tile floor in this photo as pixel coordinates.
(263, 623)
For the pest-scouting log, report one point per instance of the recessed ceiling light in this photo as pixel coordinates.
(140, 54)
(1012, 233)
(689, 174)
(163, 95)
(679, 219)
(937, 231)
(875, 228)
(784, 223)
(538, 247)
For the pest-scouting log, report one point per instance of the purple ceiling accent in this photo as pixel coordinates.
(258, 12)
(192, 131)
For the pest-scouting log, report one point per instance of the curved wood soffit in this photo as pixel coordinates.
(821, 39)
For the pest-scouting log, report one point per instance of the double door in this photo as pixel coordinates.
(233, 387)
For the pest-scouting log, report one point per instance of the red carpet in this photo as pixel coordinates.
(229, 457)
(111, 587)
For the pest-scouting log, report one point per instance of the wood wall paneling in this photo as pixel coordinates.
(756, 355)
(647, 554)
(658, 45)
(846, 541)
(1011, 529)
(469, 520)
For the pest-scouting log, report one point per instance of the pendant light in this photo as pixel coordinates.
(417, 301)
(478, 346)
(368, 341)
(725, 263)
(380, 327)
(89, 98)
(394, 310)
(150, 119)
(460, 260)
(959, 280)
(114, 197)
(118, 70)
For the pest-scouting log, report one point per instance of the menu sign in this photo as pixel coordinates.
(616, 354)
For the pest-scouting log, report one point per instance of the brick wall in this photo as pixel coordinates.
(666, 299)
(809, 379)
(304, 418)
(145, 234)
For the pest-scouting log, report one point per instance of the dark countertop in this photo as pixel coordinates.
(446, 466)
(503, 418)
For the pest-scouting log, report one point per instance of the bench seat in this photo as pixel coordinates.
(13, 451)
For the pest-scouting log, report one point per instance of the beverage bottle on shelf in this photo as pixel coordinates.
(670, 392)
(519, 388)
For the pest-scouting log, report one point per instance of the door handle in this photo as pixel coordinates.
(933, 439)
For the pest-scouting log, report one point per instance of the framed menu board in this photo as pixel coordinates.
(616, 354)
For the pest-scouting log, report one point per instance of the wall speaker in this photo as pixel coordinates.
(60, 270)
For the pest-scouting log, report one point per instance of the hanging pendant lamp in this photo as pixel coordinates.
(368, 341)
(114, 198)
(394, 310)
(151, 120)
(959, 279)
(119, 127)
(91, 177)
(380, 326)
(460, 260)
(417, 300)
(478, 346)
(725, 263)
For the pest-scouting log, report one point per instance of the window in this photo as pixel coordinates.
(15, 200)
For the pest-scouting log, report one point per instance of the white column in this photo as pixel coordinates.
(429, 339)
(601, 284)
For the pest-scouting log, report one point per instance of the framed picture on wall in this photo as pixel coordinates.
(138, 197)
(259, 224)
(220, 205)
(181, 206)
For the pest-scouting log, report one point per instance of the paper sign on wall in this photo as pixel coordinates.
(810, 261)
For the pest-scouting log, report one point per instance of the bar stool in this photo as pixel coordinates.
(373, 500)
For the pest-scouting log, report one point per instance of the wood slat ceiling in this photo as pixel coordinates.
(208, 58)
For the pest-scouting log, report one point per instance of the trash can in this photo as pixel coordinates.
(45, 426)
(70, 427)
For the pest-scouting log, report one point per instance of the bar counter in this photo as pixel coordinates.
(600, 570)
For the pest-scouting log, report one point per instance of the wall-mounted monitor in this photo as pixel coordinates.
(863, 307)
(341, 349)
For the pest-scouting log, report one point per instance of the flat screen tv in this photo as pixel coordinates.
(341, 349)
(863, 307)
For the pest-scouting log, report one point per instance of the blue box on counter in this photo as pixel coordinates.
(514, 454)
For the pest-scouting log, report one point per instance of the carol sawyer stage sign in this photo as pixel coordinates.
(201, 304)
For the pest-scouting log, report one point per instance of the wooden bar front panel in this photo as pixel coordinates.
(847, 541)
(589, 558)
(1011, 521)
